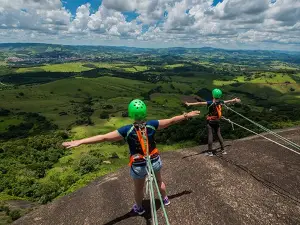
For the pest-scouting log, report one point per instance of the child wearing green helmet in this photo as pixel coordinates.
(136, 135)
(213, 117)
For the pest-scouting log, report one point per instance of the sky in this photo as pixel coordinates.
(231, 24)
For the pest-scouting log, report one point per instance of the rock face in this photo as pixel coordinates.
(257, 182)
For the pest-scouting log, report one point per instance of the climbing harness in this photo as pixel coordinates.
(266, 129)
(141, 157)
(144, 142)
(217, 112)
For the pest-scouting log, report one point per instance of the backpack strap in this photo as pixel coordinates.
(151, 127)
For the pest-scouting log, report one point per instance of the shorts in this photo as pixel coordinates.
(213, 122)
(140, 172)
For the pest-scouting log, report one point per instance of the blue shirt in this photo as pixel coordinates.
(129, 134)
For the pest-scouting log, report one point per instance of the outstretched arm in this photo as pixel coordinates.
(112, 136)
(196, 103)
(167, 122)
(232, 100)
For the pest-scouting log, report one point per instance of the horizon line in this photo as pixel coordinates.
(126, 46)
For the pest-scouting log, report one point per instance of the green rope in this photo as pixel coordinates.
(152, 198)
(160, 198)
(151, 177)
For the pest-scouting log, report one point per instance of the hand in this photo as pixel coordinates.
(237, 100)
(193, 113)
(188, 104)
(71, 144)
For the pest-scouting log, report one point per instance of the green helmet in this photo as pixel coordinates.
(137, 109)
(217, 93)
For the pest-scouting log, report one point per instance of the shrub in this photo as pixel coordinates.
(87, 164)
(15, 214)
(104, 115)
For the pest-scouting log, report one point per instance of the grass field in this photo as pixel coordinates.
(282, 65)
(173, 66)
(135, 69)
(52, 98)
(6, 122)
(64, 67)
(263, 78)
(79, 67)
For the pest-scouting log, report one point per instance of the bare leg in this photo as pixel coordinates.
(161, 184)
(139, 191)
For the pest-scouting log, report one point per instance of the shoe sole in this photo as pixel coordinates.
(166, 204)
(141, 213)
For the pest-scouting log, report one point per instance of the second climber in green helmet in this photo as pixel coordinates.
(138, 135)
(213, 117)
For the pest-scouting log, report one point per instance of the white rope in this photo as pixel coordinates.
(228, 120)
(267, 130)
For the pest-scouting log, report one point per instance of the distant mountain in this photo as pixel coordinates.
(215, 55)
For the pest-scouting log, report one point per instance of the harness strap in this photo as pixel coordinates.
(141, 137)
(219, 111)
(139, 157)
(212, 117)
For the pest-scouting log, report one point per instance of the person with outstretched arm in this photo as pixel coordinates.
(136, 135)
(213, 118)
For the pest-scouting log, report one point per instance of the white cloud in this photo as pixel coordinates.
(174, 22)
(113, 23)
(79, 24)
(120, 5)
(44, 15)
(232, 9)
(285, 11)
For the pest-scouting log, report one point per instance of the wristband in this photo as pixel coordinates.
(185, 116)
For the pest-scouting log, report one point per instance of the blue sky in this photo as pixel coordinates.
(72, 5)
(255, 24)
(217, 1)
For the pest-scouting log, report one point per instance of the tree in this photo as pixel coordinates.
(104, 115)
(125, 114)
